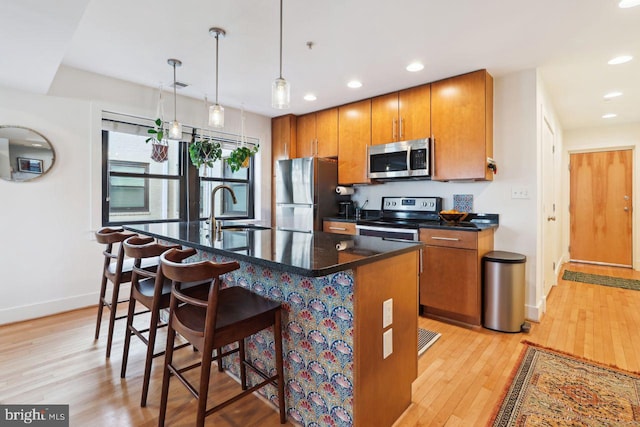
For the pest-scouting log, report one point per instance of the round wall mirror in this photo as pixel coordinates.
(24, 154)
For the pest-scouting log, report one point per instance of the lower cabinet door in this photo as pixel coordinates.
(449, 285)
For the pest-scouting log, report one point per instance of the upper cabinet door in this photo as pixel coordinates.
(327, 133)
(283, 138)
(414, 107)
(354, 136)
(462, 126)
(384, 119)
(306, 136)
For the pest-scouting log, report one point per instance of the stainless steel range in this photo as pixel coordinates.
(400, 217)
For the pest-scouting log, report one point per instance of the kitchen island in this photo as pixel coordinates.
(332, 288)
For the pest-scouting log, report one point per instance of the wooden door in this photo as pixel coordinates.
(384, 119)
(327, 133)
(306, 135)
(601, 207)
(462, 125)
(354, 136)
(414, 106)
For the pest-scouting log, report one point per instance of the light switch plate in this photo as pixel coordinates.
(387, 343)
(387, 313)
(519, 193)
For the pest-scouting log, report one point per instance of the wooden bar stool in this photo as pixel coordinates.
(117, 271)
(228, 315)
(151, 289)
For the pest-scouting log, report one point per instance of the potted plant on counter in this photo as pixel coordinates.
(239, 158)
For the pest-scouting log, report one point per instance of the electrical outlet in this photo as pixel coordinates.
(387, 313)
(387, 343)
(519, 192)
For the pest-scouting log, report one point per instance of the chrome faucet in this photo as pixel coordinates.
(215, 227)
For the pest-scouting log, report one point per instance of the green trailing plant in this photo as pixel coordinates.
(204, 152)
(156, 134)
(239, 158)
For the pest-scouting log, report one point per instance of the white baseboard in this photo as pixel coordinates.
(534, 313)
(47, 308)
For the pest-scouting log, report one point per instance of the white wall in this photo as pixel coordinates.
(603, 138)
(516, 153)
(49, 260)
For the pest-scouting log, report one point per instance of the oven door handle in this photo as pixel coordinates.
(387, 229)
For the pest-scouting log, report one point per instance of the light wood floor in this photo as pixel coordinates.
(461, 377)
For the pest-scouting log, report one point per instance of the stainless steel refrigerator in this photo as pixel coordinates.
(305, 193)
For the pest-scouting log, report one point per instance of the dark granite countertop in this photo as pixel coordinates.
(308, 254)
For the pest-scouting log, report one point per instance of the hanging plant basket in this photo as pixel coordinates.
(239, 158)
(204, 152)
(160, 147)
(160, 153)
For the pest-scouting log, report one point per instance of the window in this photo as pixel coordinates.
(241, 184)
(138, 189)
(128, 194)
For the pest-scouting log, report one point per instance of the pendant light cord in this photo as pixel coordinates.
(217, 37)
(281, 39)
(175, 103)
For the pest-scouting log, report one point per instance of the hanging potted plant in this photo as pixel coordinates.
(239, 158)
(160, 147)
(204, 152)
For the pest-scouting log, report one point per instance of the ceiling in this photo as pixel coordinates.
(569, 41)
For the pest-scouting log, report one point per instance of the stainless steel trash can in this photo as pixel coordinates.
(503, 291)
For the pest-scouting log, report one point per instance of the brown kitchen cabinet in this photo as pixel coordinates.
(451, 279)
(339, 227)
(401, 116)
(283, 146)
(354, 136)
(317, 134)
(462, 127)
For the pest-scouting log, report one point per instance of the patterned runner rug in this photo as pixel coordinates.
(597, 279)
(426, 339)
(549, 388)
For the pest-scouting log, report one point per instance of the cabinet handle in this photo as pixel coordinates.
(316, 147)
(393, 129)
(451, 239)
(401, 133)
(337, 228)
(433, 156)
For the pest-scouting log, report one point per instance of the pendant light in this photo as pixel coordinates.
(175, 130)
(216, 111)
(280, 90)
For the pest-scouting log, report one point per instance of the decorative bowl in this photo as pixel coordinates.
(453, 217)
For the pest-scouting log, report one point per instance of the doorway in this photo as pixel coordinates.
(600, 207)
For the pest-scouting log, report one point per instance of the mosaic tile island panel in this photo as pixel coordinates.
(317, 332)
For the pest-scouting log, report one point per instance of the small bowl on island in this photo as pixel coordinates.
(452, 216)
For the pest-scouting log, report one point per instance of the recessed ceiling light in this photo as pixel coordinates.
(415, 66)
(609, 116)
(628, 3)
(612, 95)
(354, 84)
(310, 97)
(620, 59)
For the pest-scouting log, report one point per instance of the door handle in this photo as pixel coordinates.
(626, 209)
(551, 218)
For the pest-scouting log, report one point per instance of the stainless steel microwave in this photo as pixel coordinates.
(405, 159)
